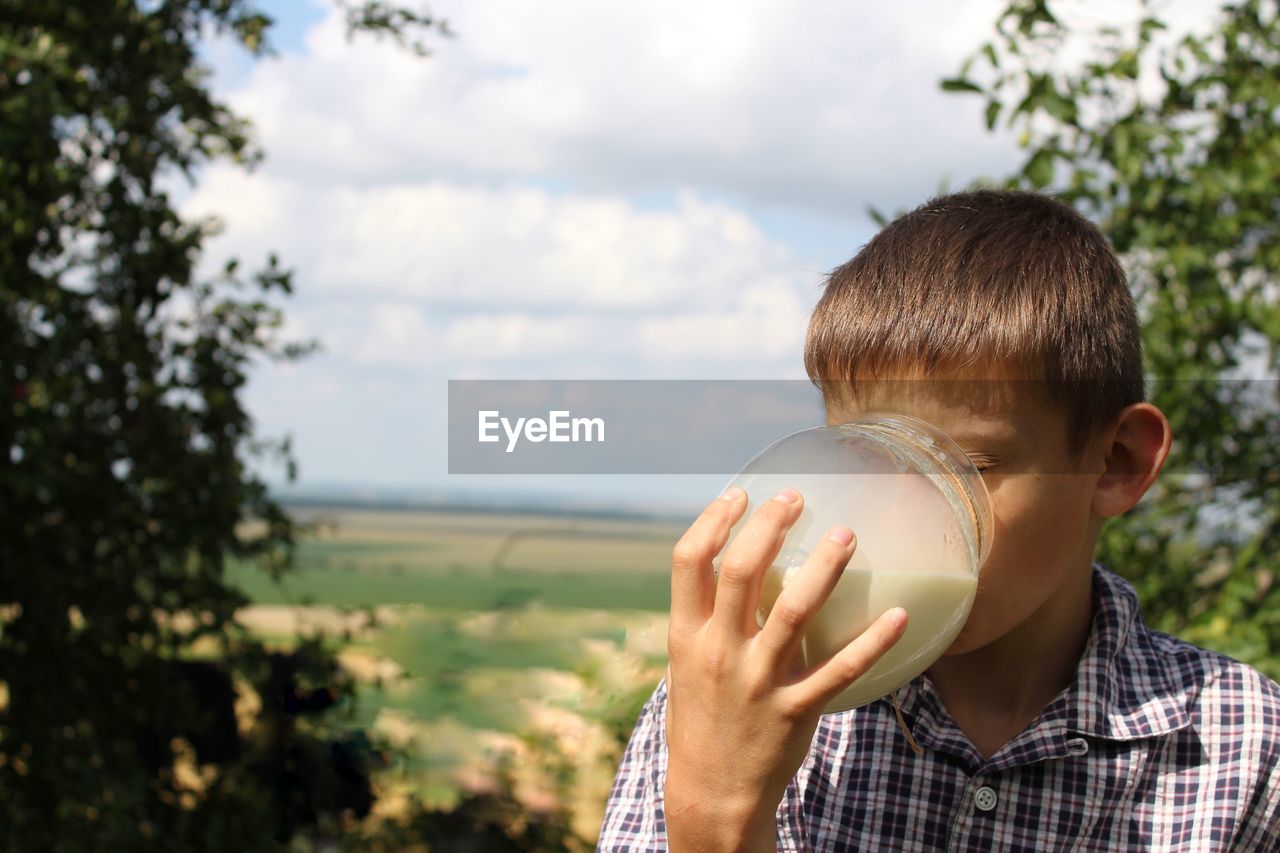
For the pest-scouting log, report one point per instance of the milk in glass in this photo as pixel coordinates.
(922, 519)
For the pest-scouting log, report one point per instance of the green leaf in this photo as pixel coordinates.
(1039, 169)
(958, 84)
(1061, 108)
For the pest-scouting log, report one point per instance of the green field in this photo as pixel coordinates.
(492, 629)
(473, 562)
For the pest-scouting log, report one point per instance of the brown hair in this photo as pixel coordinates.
(1015, 278)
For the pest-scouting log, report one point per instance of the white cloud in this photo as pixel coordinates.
(806, 104)
(395, 333)
(468, 247)
(502, 337)
(766, 326)
(454, 278)
(578, 189)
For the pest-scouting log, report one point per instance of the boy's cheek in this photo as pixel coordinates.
(974, 634)
(1038, 525)
(1001, 604)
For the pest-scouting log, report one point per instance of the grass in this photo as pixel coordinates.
(454, 587)
(492, 615)
(445, 663)
(474, 563)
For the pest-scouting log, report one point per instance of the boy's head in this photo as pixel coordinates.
(1003, 318)
(1001, 283)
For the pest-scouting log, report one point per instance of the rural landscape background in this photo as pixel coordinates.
(485, 642)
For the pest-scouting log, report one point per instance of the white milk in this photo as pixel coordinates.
(937, 604)
(922, 519)
(902, 522)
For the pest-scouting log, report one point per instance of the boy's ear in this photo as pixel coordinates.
(1135, 452)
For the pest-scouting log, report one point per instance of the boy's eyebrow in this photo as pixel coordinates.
(986, 439)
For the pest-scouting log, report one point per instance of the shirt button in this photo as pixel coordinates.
(1077, 746)
(984, 798)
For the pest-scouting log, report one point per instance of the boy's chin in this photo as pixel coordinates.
(965, 642)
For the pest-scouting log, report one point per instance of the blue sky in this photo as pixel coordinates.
(573, 190)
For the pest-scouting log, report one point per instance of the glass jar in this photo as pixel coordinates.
(922, 517)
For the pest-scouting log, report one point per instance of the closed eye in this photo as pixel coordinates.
(983, 465)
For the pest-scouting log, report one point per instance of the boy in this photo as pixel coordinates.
(1056, 720)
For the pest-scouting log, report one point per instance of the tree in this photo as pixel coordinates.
(127, 484)
(1171, 143)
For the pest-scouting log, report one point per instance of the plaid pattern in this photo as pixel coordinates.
(1158, 745)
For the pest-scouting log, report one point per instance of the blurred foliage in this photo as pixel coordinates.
(496, 821)
(1171, 143)
(126, 486)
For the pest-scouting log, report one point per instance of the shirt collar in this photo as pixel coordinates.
(1124, 688)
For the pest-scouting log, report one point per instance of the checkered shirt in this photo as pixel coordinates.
(1158, 745)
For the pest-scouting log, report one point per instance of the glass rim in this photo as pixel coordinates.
(958, 467)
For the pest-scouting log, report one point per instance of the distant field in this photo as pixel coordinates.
(494, 628)
(473, 562)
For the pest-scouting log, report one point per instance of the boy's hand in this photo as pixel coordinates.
(740, 713)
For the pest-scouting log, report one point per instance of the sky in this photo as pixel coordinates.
(566, 190)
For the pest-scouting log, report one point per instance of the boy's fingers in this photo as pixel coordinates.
(827, 679)
(803, 596)
(692, 587)
(738, 586)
